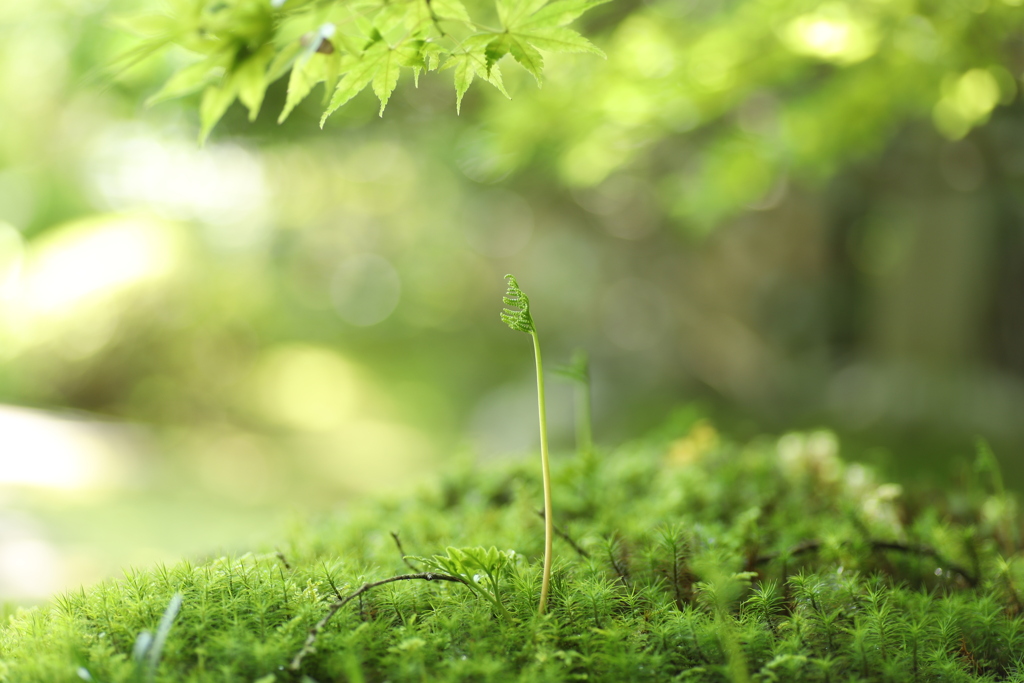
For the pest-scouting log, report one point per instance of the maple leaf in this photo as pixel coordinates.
(425, 12)
(245, 45)
(306, 74)
(534, 25)
(473, 61)
(379, 65)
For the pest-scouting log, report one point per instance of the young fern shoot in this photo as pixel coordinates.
(578, 372)
(521, 321)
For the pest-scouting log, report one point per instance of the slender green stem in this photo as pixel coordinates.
(584, 434)
(584, 431)
(549, 524)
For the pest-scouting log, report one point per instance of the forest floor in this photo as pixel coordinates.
(680, 556)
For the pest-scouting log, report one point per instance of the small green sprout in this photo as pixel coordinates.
(578, 372)
(480, 568)
(521, 321)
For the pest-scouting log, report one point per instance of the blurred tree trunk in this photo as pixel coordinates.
(927, 303)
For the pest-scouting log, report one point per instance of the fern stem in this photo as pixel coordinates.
(549, 524)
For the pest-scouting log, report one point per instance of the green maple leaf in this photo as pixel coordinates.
(534, 25)
(425, 12)
(473, 61)
(190, 79)
(246, 82)
(306, 74)
(451, 9)
(215, 101)
(245, 45)
(379, 65)
(251, 79)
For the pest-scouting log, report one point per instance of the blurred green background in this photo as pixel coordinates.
(799, 214)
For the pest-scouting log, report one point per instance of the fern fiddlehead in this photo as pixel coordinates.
(518, 317)
(519, 320)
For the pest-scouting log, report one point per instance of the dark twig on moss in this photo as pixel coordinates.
(330, 580)
(567, 538)
(908, 548)
(970, 577)
(401, 551)
(1012, 592)
(314, 632)
(284, 560)
(675, 582)
(622, 572)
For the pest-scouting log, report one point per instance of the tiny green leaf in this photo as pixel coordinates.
(576, 370)
(431, 55)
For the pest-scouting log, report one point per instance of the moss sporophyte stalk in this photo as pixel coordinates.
(522, 321)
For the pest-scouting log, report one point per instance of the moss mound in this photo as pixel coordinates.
(681, 557)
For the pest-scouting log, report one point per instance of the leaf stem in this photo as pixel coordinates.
(549, 524)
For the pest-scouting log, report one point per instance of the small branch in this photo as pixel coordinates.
(330, 580)
(798, 549)
(922, 550)
(675, 581)
(283, 559)
(622, 573)
(401, 551)
(926, 551)
(314, 632)
(567, 538)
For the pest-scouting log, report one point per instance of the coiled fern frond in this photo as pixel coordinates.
(522, 321)
(519, 320)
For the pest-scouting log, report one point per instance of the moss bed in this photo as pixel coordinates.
(680, 557)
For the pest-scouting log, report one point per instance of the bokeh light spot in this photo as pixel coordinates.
(967, 100)
(306, 387)
(832, 34)
(365, 289)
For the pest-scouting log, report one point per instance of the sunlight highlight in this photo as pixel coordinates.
(223, 186)
(967, 100)
(93, 258)
(42, 450)
(831, 34)
(29, 568)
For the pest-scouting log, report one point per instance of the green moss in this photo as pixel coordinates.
(698, 560)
